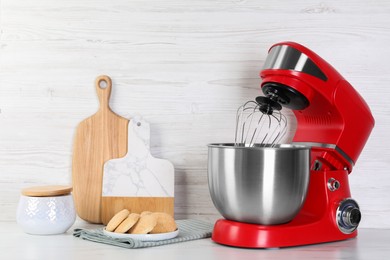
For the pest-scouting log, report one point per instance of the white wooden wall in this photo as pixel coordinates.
(185, 65)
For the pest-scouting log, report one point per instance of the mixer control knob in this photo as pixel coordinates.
(348, 216)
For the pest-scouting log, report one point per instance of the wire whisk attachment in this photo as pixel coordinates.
(260, 123)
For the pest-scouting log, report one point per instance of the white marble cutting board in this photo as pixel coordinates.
(138, 174)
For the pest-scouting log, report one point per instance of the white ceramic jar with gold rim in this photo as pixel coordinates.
(46, 210)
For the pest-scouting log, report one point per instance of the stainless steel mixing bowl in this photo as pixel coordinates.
(261, 185)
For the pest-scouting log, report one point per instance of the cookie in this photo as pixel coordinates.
(117, 219)
(165, 223)
(144, 225)
(127, 223)
(143, 213)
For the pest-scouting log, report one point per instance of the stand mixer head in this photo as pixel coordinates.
(331, 116)
(325, 105)
(333, 121)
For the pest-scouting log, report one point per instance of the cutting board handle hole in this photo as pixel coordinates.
(103, 84)
(138, 123)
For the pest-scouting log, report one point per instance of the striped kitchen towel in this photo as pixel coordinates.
(189, 229)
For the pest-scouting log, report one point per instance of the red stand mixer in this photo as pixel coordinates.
(335, 122)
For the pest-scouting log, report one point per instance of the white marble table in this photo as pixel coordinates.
(14, 244)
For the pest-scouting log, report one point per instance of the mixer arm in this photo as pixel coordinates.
(331, 115)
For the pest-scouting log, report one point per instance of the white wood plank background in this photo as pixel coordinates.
(185, 66)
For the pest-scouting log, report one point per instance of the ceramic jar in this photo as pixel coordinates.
(46, 210)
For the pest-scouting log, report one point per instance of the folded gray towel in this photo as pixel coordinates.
(189, 229)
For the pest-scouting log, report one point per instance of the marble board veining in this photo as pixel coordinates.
(138, 174)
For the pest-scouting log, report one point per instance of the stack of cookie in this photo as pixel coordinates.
(145, 223)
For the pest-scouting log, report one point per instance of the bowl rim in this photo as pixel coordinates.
(260, 146)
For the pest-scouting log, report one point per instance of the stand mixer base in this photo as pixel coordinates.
(294, 233)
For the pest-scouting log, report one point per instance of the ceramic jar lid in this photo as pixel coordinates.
(47, 191)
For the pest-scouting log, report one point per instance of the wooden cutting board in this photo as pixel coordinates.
(138, 182)
(99, 138)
